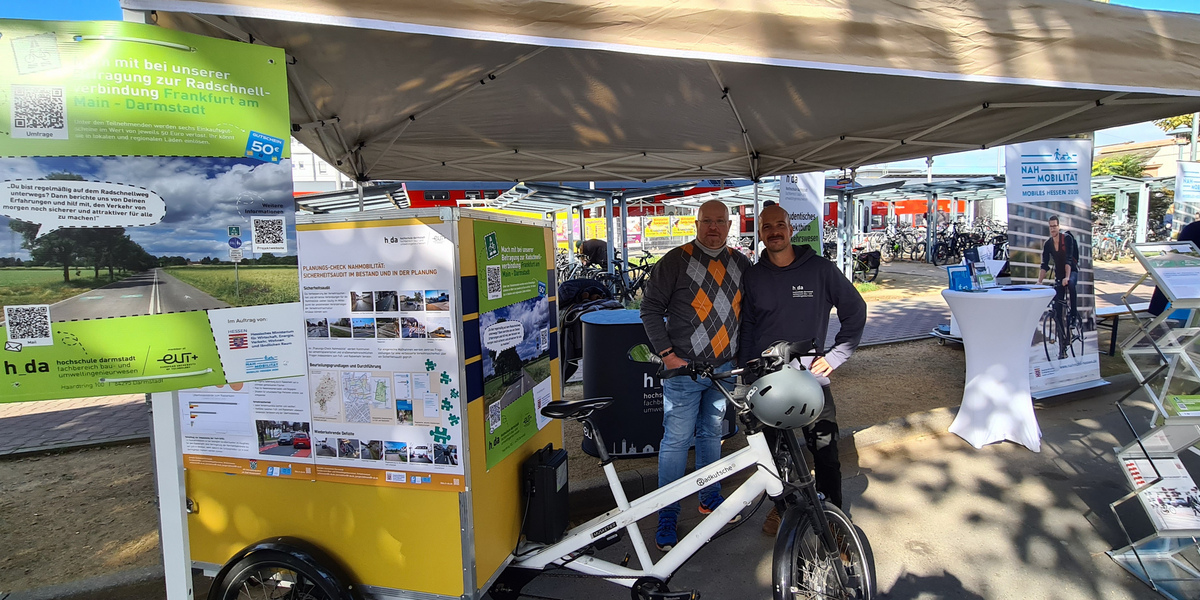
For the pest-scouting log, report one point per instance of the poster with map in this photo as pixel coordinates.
(379, 302)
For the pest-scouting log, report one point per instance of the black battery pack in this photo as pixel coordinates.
(544, 479)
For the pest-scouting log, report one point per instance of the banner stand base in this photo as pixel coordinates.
(1087, 385)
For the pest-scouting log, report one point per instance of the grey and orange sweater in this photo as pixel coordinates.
(693, 303)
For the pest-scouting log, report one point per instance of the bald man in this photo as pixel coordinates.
(691, 311)
(787, 295)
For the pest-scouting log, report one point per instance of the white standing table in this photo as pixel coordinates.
(997, 330)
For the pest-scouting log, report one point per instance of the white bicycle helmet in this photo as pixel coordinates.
(786, 399)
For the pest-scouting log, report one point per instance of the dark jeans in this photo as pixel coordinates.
(821, 438)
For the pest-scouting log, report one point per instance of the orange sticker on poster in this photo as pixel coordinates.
(391, 478)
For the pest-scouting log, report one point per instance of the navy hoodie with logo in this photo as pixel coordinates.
(792, 303)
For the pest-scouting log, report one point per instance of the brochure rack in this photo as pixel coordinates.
(1162, 527)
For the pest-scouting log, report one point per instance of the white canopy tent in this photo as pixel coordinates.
(552, 90)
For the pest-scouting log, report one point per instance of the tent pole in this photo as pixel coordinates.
(757, 209)
(361, 203)
(1195, 132)
(608, 217)
(570, 234)
(930, 224)
(625, 235)
(842, 227)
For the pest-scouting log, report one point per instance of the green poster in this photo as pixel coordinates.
(106, 88)
(511, 262)
(514, 331)
(809, 235)
(104, 357)
(1184, 406)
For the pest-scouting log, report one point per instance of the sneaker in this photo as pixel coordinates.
(708, 508)
(771, 525)
(666, 538)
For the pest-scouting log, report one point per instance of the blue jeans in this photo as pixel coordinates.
(692, 410)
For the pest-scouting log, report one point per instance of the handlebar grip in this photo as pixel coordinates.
(684, 370)
(801, 347)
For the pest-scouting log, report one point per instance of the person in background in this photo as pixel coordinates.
(1189, 233)
(691, 312)
(593, 252)
(788, 295)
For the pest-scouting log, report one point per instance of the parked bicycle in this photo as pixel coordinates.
(818, 554)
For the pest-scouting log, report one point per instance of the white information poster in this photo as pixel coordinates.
(259, 341)
(803, 196)
(256, 428)
(1049, 182)
(379, 304)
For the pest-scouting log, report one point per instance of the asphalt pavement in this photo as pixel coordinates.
(149, 293)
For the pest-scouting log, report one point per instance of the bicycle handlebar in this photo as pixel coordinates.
(773, 358)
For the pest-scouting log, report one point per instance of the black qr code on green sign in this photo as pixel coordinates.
(494, 284)
(39, 111)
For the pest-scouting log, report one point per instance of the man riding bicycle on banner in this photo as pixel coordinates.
(1062, 250)
(788, 295)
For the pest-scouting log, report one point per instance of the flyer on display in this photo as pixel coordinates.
(379, 304)
(1175, 266)
(803, 197)
(1052, 178)
(257, 428)
(1174, 502)
(1187, 195)
(514, 330)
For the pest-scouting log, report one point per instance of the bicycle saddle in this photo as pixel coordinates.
(575, 409)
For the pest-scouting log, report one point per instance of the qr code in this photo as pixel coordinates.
(494, 282)
(493, 416)
(267, 235)
(39, 111)
(544, 339)
(395, 477)
(28, 325)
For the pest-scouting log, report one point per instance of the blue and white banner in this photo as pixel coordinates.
(1053, 178)
(1187, 195)
(803, 196)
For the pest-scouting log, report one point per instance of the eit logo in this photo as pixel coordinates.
(239, 341)
(179, 358)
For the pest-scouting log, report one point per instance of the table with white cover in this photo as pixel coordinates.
(997, 330)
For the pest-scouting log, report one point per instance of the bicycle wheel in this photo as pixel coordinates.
(918, 252)
(941, 254)
(1075, 335)
(1049, 335)
(274, 574)
(804, 571)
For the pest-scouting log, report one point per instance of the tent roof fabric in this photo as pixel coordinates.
(541, 90)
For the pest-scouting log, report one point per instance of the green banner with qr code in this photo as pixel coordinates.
(106, 88)
(102, 357)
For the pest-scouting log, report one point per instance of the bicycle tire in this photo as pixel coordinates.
(887, 253)
(941, 254)
(802, 572)
(1075, 336)
(271, 572)
(918, 252)
(1048, 334)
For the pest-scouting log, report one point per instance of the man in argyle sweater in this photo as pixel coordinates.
(690, 311)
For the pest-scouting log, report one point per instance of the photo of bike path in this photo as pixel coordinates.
(152, 292)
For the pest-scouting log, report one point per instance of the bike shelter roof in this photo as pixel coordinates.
(653, 90)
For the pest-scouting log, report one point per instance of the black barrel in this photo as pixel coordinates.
(632, 425)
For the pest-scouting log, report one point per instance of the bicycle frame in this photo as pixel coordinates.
(757, 455)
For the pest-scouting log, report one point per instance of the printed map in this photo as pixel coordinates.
(357, 395)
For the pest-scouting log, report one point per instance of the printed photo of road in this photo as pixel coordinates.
(513, 372)
(410, 301)
(340, 328)
(386, 302)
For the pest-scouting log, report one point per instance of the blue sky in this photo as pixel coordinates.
(978, 161)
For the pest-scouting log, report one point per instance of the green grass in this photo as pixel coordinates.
(44, 285)
(539, 369)
(866, 287)
(258, 285)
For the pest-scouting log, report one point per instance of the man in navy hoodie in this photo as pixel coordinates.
(787, 295)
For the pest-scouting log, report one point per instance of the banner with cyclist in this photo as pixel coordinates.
(1050, 236)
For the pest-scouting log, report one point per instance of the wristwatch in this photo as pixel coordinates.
(666, 353)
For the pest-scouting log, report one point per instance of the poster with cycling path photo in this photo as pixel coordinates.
(514, 331)
(1052, 179)
(129, 176)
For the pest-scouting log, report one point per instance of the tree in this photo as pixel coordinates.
(1126, 165)
(1174, 122)
(508, 363)
(59, 247)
